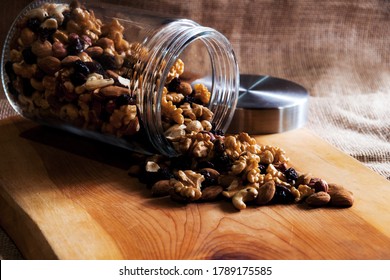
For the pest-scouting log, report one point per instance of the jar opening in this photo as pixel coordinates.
(209, 60)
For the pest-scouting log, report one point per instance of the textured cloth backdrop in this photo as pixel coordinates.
(338, 50)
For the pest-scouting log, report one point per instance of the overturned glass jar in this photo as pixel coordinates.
(119, 75)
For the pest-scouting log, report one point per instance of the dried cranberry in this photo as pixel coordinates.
(34, 24)
(173, 85)
(282, 195)
(107, 61)
(28, 56)
(291, 174)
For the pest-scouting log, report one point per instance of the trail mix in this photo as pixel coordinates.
(213, 166)
(66, 64)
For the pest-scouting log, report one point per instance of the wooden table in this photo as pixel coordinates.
(63, 196)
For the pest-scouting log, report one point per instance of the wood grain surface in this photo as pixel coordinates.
(66, 197)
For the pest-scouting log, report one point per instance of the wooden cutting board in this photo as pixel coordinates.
(66, 197)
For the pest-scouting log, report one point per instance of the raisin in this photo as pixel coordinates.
(34, 24)
(191, 99)
(174, 84)
(28, 56)
(75, 45)
(10, 70)
(291, 174)
(149, 178)
(222, 162)
(218, 132)
(209, 180)
(12, 89)
(46, 34)
(263, 168)
(96, 67)
(80, 67)
(164, 174)
(107, 61)
(219, 147)
(205, 164)
(124, 99)
(78, 79)
(282, 195)
(181, 162)
(66, 15)
(28, 90)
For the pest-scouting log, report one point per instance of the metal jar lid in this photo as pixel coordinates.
(269, 105)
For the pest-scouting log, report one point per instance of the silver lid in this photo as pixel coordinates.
(269, 105)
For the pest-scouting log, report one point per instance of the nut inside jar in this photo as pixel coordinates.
(69, 68)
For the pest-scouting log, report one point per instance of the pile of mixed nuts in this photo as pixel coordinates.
(65, 64)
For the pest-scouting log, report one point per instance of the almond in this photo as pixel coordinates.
(211, 193)
(341, 198)
(318, 199)
(114, 91)
(41, 49)
(49, 64)
(265, 193)
(161, 188)
(94, 51)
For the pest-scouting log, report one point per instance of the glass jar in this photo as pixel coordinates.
(116, 74)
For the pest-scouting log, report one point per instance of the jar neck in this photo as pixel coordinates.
(165, 48)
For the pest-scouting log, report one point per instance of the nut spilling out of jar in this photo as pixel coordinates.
(215, 166)
(66, 66)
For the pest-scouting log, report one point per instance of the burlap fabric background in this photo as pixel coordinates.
(338, 50)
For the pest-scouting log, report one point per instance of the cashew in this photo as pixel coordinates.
(50, 23)
(38, 13)
(242, 196)
(95, 81)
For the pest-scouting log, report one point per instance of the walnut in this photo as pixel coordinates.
(175, 97)
(247, 165)
(187, 184)
(278, 155)
(176, 70)
(169, 110)
(202, 93)
(175, 132)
